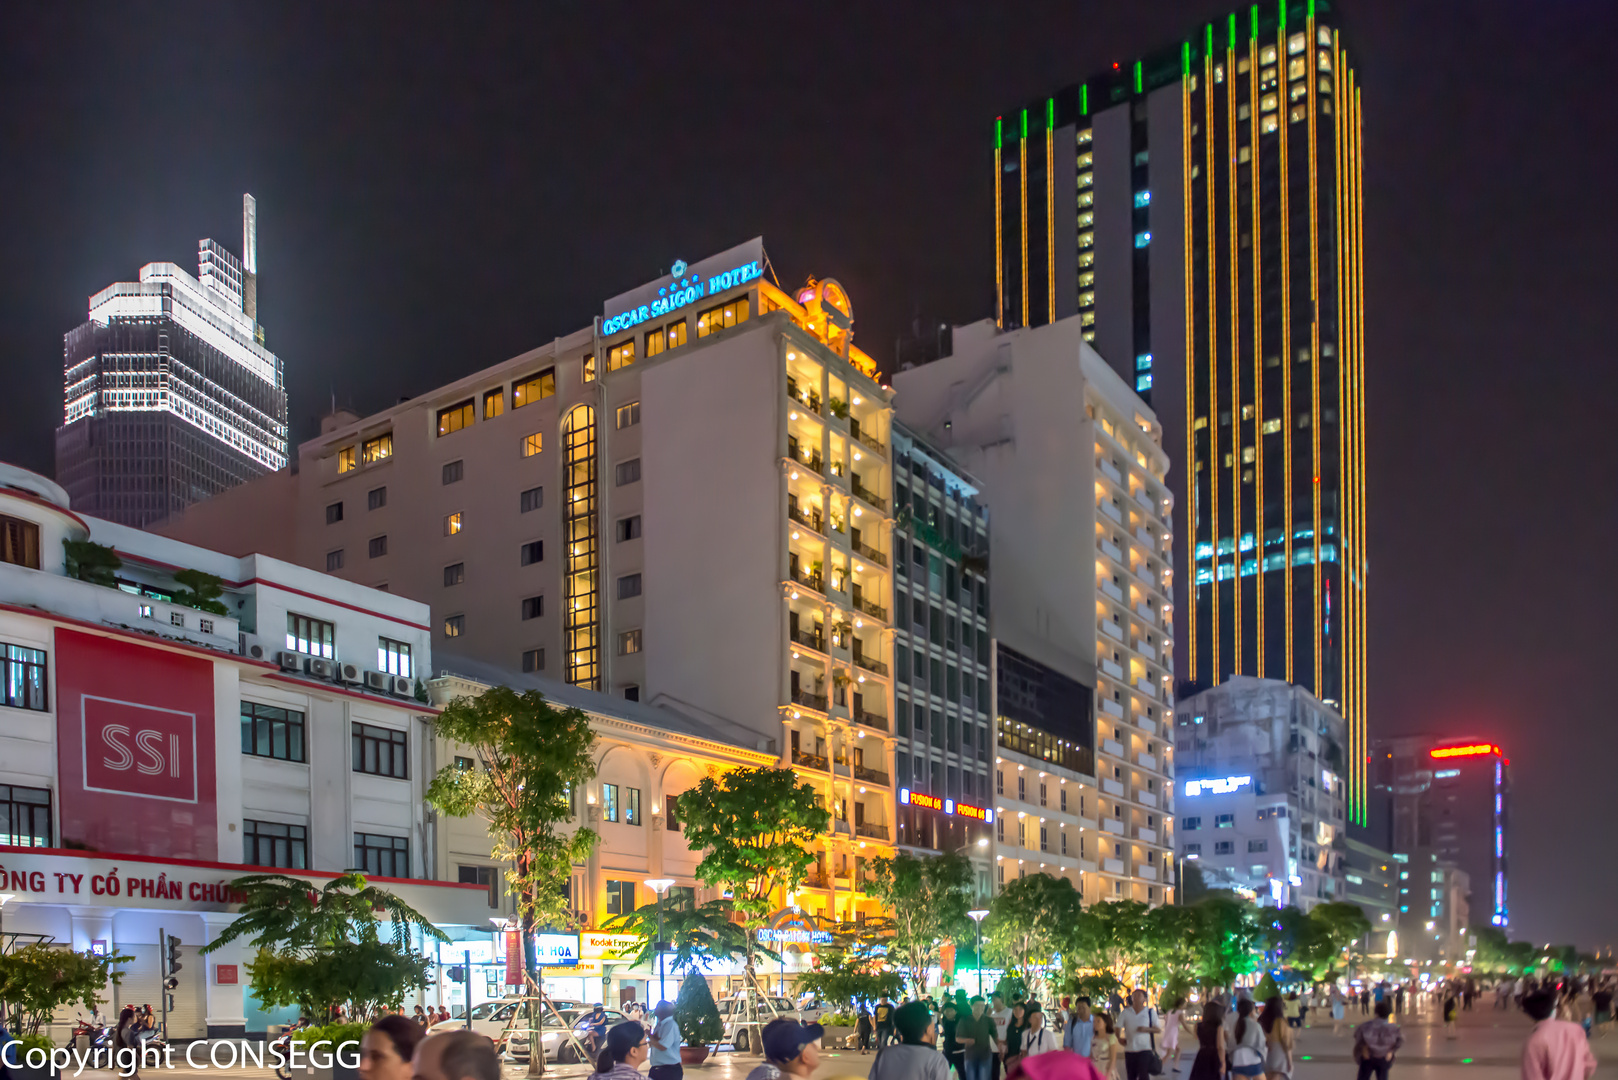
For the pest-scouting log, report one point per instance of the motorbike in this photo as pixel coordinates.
(281, 1049)
(96, 1032)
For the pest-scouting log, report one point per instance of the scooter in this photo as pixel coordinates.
(282, 1046)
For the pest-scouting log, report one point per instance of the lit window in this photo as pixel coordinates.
(1143, 198)
(1087, 219)
(315, 637)
(393, 657)
(1143, 382)
(1143, 362)
(1247, 412)
(1271, 427)
(532, 444)
(453, 522)
(1087, 298)
(1083, 160)
(723, 317)
(621, 356)
(1087, 239)
(1245, 154)
(1087, 279)
(1323, 61)
(1142, 239)
(587, 370)
(629, 643)
(1298, 113)
(345, 459)
(1200, 423)
(454, 625)
(1247, 453)
(1087, 198)
(628, 415)
(536, 387)
(1269, 125)
(1267, 55)
(494, 403)
(1297, 43)
(1323, 36)
(1084, 137)
(377, 449)
(1269, 102)
(1297, 67)
(1086, 179)
(454, 418)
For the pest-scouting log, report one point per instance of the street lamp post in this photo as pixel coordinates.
(977, 916)
(660, 885)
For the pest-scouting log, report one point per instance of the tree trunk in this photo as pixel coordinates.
(532, 985)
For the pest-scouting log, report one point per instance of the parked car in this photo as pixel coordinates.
(492, 1018)
(553, 1034)
(739, 1011)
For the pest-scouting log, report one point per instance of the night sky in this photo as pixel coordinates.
(442, 187)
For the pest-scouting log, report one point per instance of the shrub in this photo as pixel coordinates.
(696, 1013)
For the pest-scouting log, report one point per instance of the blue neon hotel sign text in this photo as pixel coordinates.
(681, 293)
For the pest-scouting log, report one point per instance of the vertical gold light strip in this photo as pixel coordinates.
(999, 243)
(1286, 327)
(1233, 231)
(1050, 213)
(1023, 151)
(1214, 440)
(1314, 343)
(1191, 482)
(1261, 637)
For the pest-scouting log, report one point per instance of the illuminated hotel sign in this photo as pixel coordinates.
(1473, 750)
(946, 806)
(1224, 786)
(684, 287)
(794, 936)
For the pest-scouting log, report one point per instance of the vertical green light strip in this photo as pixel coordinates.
(1282, 4)
(1137, 76)
(1208, 49)
(1050, 114)
(1084, 99)
(1233, 31)
(999, 133)
(1185, 58)
(1311, 8)
(1025, 123)
(1253, 33)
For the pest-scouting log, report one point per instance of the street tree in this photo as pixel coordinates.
(1029, 920)
(1229, 941)
(1336, 926)
(1112, 939)
(852, 968)
(754, 828)
(698, 935)
(37, 979)
(529, 758)
(928, 897)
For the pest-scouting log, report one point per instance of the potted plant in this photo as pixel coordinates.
(698, 1017)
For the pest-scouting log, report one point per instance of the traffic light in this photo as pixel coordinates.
(456, 974)
(173, 960)
(171, 1003)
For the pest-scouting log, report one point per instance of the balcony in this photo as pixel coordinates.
(809, 701)
(1109, 627)
(1146, 501)
(1112, 866)
(873, 776)
(1113, 826)
(1146, 724)
(1146, 761)
(1113, 591)
(810, 761)
(1144, 572)
(1088, 823)
(809, 519)
(871, 553)
(1110, 549)
(813, 639)
(807, 398)
(870, 719)
(1146, 538)
(875, 611)
(1111, 511)
(876, 667)
(1146, 798)
(868, 496)
(1147, 872)
(809, 579)
(872, 441)
(809, 459)
(1112, 708)
(1145, 835)
(1087, 866)
(874, 832)
(1113, 788)
(1144, 649)
(1113, 747)
(1112, 669)
(1145, 612)
(1145, 686)
(1108, 468)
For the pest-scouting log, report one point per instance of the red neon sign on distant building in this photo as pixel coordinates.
(1471, 750)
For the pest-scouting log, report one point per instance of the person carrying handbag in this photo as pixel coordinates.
(1139, 1026)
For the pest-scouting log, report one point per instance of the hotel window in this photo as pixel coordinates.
(621, 355)
(1270, 102)
(271, 732)
(664, 338)
(378, 547)
(1225, 821)
(1298, 113)
(631, 795)
(272, 843)
(487, 876)
(1143, 382)
(1244, 155)
(379, 448)
(1087, 219)
(1269, 125)
(1087, 239)
(1143, 198)
(629, 643)
(376, 498)
(393, 657)
(455, 418)
(382, 856)
(1087, 279)
(25, 816)
(334, 513)
(380, 751)
(533, 552)
(1298, 92)
(494, 403)
(1297, 67)
(627, 472)
(1087, 258)
(453, 523)
(453, 471)
(1142, 239)
(587, 369)
(532, 499)
(629, 528)
(1083, 160)
(1087, 298)
(628, 586)
(1297, 43)
(312, 636)
(1247, 453)
(723, 317)
(536, 387)
(454, 574)
(345, 459)
(533, 660)
(628, 415)
(454, 625)
(1086, 179)
(1087, 198)
(620, 897)
(334, 560)
(609, 802)
(533, 607)
(1224, 847)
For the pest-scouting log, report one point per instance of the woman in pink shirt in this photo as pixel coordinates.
(1557, 1049)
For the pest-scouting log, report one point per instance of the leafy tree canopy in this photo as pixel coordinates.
(697, 934)
(929, 896)
(1029, 921)
(37, 979)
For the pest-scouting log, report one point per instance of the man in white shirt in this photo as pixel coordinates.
(665, 1046)
(1002, 1019)
(1138, 1026)
(1037, 1038)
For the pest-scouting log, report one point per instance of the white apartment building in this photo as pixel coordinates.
(1262, 790)
(1072, 472)
(686, 504)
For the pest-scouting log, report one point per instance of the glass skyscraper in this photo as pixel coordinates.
(169, 395)
(1199, 210)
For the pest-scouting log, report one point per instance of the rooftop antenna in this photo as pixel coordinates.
(250, 257)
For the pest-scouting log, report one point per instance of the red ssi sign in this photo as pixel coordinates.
(139, 750)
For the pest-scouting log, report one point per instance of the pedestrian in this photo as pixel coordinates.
(915, 1056)
(1337, 1009)
(1013, 1041)
(420, 1017)
(790, 1049)
(1449, 1014)
(1248, 1048)
(1104, 1048)
(1209, 1064)
(387, 1048)
(623, 1049)
(1002, 1021)
(1278, 1039)
(1138, 1028)
(1375, 1043)
(1556, 1049)
(1399, 1000)
(1036, 1038)
(1173, 1021)
(1081, 1029)
(1365, 1001)
(665, 1060)
(461, 1055)
(863, 1028)
(1293, 1010)
(977, 1035)
(127, 1043)
(884, 1022)
(948, 1022)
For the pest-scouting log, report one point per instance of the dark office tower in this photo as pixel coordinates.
(169, 395)
(1199, 210)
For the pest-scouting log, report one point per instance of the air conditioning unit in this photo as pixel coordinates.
(349, 673)
(378, 680)
(289, 661)
(250, 646)
(320, 669)
(403, 685)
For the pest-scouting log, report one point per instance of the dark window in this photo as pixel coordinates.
(455, 418)
(629, 528)
(628, 471)
(334, 560)
(334, 513)
(620, 897)
(376, 498)
(628, 585)
(533, 607)
(25, 816)
(381, 751)
(533, 660)
(271, 732)
(533, 499)
(631, 692)
(382, 856)
(454, 574)
(270, 843)
(488, 876)
(533, 552)
(19, 541)
(379, 546)
(24, 671)
(671, 812)
(453, 472)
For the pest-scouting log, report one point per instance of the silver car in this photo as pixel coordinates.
(553, 1034)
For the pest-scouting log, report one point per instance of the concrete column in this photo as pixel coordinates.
(227, 1009)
